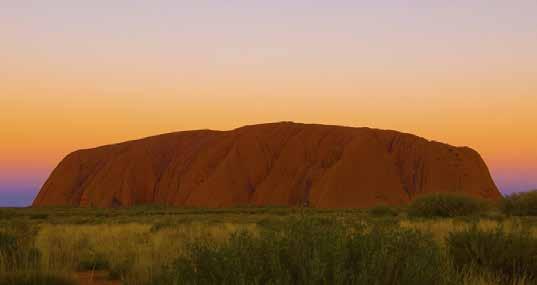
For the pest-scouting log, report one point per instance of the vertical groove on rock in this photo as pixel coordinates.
(268, 164)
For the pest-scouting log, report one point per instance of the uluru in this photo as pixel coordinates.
(285, 164)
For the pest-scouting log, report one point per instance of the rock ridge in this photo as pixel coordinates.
(284, 163)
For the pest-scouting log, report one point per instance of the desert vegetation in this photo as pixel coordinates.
(445, 205)
(521, 204)
(435, 240)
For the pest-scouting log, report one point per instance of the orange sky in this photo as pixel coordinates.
(78, 76)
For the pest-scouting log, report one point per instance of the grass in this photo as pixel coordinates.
(36, 277)
(158, 245)
(310, 251)
(131, 252)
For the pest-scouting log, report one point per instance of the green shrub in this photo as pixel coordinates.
(510, 255)
(520, 204)
(312, 251)
(394, 256)
(383, 211)
(444, 205)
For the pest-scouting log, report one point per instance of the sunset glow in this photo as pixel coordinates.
(82, 75)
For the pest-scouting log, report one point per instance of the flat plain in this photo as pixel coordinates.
(273, 245)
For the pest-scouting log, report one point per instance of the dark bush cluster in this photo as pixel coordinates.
(444, 205)
(507, 254)
(93, 261)
(520, 204)
(383, 211)
(313, 251)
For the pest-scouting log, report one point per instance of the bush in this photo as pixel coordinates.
(510, 255)
(383, 211)
(312, 251)
(444, 205)
(394, 256)
(520, 204)
(92, 261)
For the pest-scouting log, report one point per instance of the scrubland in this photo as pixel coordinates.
(437, 240)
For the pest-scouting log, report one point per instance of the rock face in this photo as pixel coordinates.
(269, 164)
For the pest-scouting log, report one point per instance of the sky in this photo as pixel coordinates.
(79, 74)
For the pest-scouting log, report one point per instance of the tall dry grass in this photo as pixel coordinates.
(138, 252)
(133, 252)
(440, 228)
